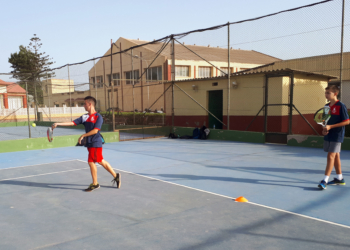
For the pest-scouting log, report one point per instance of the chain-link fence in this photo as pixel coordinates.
(265, 74)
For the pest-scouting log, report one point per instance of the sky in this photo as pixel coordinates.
(74, 31)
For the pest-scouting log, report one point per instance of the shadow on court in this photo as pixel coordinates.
(49, 185)
(175, 177)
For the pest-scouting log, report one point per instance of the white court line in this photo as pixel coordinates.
(228, 197)
(224, 196)
(38, 164)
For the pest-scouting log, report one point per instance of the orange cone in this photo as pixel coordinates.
(241, 199)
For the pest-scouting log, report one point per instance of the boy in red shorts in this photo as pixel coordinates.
(92, 123)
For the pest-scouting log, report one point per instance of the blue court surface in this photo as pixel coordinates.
(175, 194)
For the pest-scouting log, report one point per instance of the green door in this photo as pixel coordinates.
(215, 107)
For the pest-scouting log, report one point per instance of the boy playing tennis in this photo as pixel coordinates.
(92, 123)
(334, 133)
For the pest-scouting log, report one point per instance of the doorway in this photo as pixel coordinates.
(215, 107)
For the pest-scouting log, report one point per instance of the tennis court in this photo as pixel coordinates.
(175, 194)
(22, 132)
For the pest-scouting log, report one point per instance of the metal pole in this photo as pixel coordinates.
(133, 84)
(228, 78)
(95, 80)
(121, 75)
(341, 50)
(112, 86)
(266, 102)
(105, 88)
(172, 81)
(141, 82)
(290, 130)
(36, 100)
(70, 96)
(48, 94)
(30, 134)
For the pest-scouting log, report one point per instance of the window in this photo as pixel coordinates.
(93, 81)
(15, 102)
(99, 81)
(225, 69)
(116, 81)
(154, 74)
(128, 75)
(182, 71)
(204, 71)
(1, 102)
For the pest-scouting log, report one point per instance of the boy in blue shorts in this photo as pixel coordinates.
(334, 133)
(92, 123)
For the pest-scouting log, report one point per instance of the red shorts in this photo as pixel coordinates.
(95, 155)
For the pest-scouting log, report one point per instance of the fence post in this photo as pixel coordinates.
(266, 103)
(30, 134)
(35, 101)
(48, 94)
(228, 77)
(341, 52)
(95, 81)
(290, 130)
(112, 87)
(172, 81)
(133, 84)
(70, 96)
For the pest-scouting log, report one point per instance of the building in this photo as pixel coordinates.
(60, 92)
(323, 64)
(247, 99)
(129, 95)
(12, 96)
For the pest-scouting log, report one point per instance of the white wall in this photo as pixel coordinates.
(346, 93)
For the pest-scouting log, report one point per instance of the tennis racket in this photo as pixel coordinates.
(83, 142)
(50, 134)
(322, 116)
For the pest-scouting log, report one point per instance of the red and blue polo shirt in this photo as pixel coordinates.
(339, 113)
(90, 122)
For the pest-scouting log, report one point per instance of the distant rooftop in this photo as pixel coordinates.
(12, 87)
(210, 53)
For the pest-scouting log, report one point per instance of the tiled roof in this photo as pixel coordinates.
(210, 53)
(13, 87)
(277, 72)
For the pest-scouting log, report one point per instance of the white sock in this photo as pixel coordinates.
(326, 177)
(340, 176)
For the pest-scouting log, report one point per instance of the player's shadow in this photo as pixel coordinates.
(69, 186)
(42, 185)
(284, 183)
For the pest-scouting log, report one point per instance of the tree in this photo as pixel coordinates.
(30, 65)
